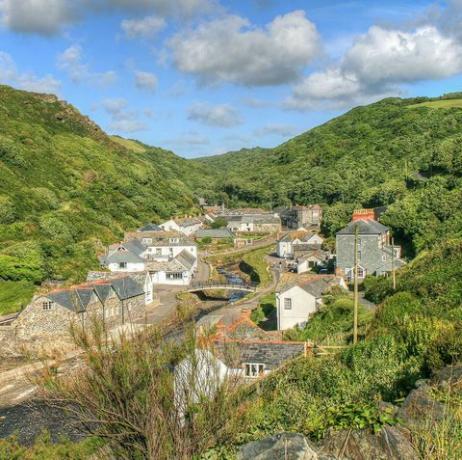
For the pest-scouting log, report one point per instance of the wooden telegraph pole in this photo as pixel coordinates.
(393, 274)
(355, 310)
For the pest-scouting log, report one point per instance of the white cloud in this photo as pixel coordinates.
(223, 116)
(232, 50)
(28, 81)
(145, 81)
(49, 17)
(142, 28)
(375, 66)
(393, 56)
(276, 129)
(71, 61)
(44, 17)
(122, 119)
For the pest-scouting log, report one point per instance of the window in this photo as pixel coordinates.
(253, 370)
(47, 305)
(174, 240)
(311, 263)
(287, 304)
(175, 276)
(384, 257)
(359, 254)
(361, 272)
(123, 265)
(158, 251)
(146, 240)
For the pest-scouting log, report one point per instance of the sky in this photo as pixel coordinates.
(203, 77)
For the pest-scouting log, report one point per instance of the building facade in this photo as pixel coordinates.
(376, 255)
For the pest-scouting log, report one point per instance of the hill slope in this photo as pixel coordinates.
(67, 188)
(388, 152)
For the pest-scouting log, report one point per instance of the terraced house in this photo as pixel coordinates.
(115, 301)
(376, 254)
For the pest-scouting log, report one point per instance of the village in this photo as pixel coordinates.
(201, 263)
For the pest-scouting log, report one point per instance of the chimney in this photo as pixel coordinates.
(363, 214)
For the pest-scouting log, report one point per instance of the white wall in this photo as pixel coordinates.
(131, 267)
(284, 249)
(241, 226)
(190, 229)
(167, 252)
(170, 226)
(303, 305)
(161, 278)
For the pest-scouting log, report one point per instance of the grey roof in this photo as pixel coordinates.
(365, 227)
(214, 233)
(75, 299)
(186, 259)
(103, 291)
(187, 222)
(127, 287)
(117, 257)
(314, 285)
(150, 228)
(257, 218)
(134, 246)
(272, 354)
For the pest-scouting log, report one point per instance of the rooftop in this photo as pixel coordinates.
(365, 227)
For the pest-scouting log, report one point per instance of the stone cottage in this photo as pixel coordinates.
(376, 255)
(49, 315)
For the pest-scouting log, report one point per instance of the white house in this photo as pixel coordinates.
(178, 271)
(170, 259)
(299, 297)
(297, 240)
(187, 226)
(259, 223)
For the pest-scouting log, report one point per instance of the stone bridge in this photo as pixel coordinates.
(203, 286)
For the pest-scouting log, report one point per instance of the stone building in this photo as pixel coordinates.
(49, 315)
(376, 255)
(302, 216)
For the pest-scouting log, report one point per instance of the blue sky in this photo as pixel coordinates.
(202, 77)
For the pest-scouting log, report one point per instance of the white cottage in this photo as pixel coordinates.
(187, 226)
(297, 240)
(298, 297)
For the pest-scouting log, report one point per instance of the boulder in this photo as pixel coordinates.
(419, 405)
(391, 443)
(283, 446)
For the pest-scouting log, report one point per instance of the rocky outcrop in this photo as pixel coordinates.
(391, 443)
(290, 446)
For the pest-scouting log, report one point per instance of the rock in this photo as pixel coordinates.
(450, 374)
(283, 446)
(419, 405)
(391, 443)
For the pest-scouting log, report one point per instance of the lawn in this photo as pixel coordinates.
(255, 265)
(14, 295)
(439, 104)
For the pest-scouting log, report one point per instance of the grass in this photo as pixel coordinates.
(129, 144)
(259, 267)
(265, 314)
(14, 295)
(440, 104)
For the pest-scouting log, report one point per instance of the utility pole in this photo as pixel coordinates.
(355, 310)
(393, 274)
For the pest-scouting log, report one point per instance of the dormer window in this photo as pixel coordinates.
(174, 240)
(47, 304)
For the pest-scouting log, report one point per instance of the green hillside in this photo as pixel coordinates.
(388, 153)
(67, 189)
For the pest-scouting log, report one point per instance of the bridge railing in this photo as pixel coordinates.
(223, 285)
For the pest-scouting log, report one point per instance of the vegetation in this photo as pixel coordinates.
(265, 314)
(332, 324)
(384, 154)
(44, 449)
(68, 190)
(14, 295)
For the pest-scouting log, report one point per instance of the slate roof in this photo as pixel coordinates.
(186, 259)
(150, 228)
(127, 288)
(257, 219)
(77, 298)
(187, 222)
(316, 285)
(214, 233)
(366, 227)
